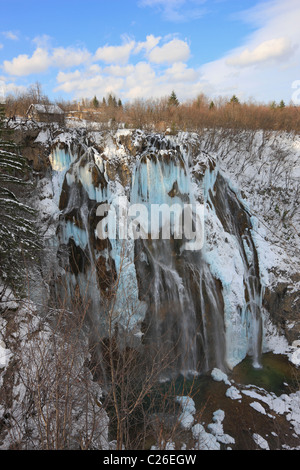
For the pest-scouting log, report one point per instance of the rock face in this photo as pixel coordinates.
(157, 303)
(283, 304)
(200, 308)
(35, 153)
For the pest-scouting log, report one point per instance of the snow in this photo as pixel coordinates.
(258, 407)
(47, 108)
(186, 418)
(249, 170)
(216, 428)
(288, 405)
(205, 440)
(5, 355)
(214, 436)
(255, 394)
(219, 376)
(37, 350)
(233, 393)
(273, 340)
(266, 403)
(255, 174)
(295, 357)
(260, 441)
(223, 254)
(43, 137)
(169, 445)
(7, 299)
(72, 168)
(154, 180)
(265, 165)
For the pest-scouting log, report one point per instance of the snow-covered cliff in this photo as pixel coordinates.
(191, 309)
(210, 302)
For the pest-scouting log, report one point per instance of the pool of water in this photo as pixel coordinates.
(276, 375)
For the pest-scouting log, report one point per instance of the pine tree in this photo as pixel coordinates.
(111, 101)
(211, 105)
(95, 102)
(18, 233)
(234, 100)
(281, 104)
(173, 101)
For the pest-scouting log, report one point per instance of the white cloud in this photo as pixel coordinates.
(264, 66)
(93, 69)
(44, 41)
(41, 60)
(63, 77)
(10, 35)
(119, 70)
(274, 58)
(115, 54)
(175, 50)
(82, 85)
(24, 65)
(7, 88)
(142, 75)
(150, 43)
(69, 57)
(169, 8)
(273, 49)
(117, 75)
(132, 81)
(177, 11)
(179, 72)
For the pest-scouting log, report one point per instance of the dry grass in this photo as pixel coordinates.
(159, 115)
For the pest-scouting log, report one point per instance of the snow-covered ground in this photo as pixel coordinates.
(211, 436)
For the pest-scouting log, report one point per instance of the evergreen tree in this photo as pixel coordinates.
(120, 103)
(281, 104)
(95, 102)
(111, 101)
(234, 100)
(104, 102)
(211, 105)
(173, 101)
(18, 233)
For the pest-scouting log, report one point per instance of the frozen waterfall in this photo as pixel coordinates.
(200, 308)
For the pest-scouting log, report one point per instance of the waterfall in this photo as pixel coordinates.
(243, 295)
(198, 308)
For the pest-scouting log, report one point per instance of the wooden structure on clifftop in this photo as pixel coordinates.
(46, 113)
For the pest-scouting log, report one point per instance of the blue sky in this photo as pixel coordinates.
(147, 48)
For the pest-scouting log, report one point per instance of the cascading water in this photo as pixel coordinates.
(199, 308)
(185, 315)
(236, 221)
